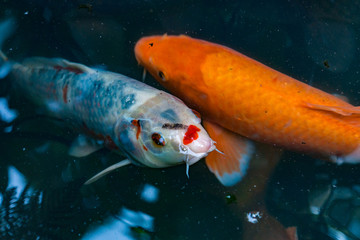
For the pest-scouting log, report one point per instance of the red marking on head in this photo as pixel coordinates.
(69, 68)
(136, 123)
(65, 91)
(145, 148)
(191, 134)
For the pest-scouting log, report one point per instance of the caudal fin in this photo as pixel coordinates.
(6, 29)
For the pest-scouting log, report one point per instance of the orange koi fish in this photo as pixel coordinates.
(240, 99)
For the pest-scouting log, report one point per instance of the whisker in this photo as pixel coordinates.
(214, 142)
(219, 151)
(187, 165)
(144, 75)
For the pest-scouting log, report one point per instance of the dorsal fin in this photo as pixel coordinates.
(107, 171)
(60, 63)
(340, 110)
(349, 114)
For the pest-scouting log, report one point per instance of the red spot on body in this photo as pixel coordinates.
(136, 123)
(145, 148)
(65, 91)
(69, 68)
(50, 89)
(191, 134)
(109, 143)
(92, 133)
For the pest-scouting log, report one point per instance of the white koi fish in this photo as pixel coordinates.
(152, 127)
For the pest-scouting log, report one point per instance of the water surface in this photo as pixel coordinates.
(41, 187)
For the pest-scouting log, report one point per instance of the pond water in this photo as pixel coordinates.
(42, 195)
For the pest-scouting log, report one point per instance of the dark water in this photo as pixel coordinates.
(41, 188)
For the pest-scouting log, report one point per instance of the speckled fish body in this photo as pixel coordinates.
(149, 125)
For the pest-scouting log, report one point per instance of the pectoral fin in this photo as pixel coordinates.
(231, 165)
(341, 110)
(83, 146)
(107, 171)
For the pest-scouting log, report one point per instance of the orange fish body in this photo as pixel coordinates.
(251, 99)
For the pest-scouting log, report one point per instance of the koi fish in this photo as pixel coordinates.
(152, 127)
(241, 100)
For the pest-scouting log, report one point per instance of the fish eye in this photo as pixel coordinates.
(158, 139)
(162, 76)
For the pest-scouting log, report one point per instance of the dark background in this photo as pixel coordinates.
(314, 41)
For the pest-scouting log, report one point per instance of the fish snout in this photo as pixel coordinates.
(197, 141)
(142, 49)
(202, 145)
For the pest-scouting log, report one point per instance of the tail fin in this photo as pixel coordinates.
(6, 29)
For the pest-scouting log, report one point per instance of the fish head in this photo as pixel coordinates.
(175, 62)
(163, 132)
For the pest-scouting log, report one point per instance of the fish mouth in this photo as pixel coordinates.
(190, 160)
(193, 157)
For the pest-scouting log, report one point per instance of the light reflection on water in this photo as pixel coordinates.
(119, 227)
(110, 229)
(6, 114)
(16, 180)
(253, 217)
(150, 193)
(296, 37)
(137, 219)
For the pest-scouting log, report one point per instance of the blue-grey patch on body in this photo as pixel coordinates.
(78, 92)
(125, 141)
(127, 101)
(111, 91)
(170, 115)
(97, 85)
(109, 102)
